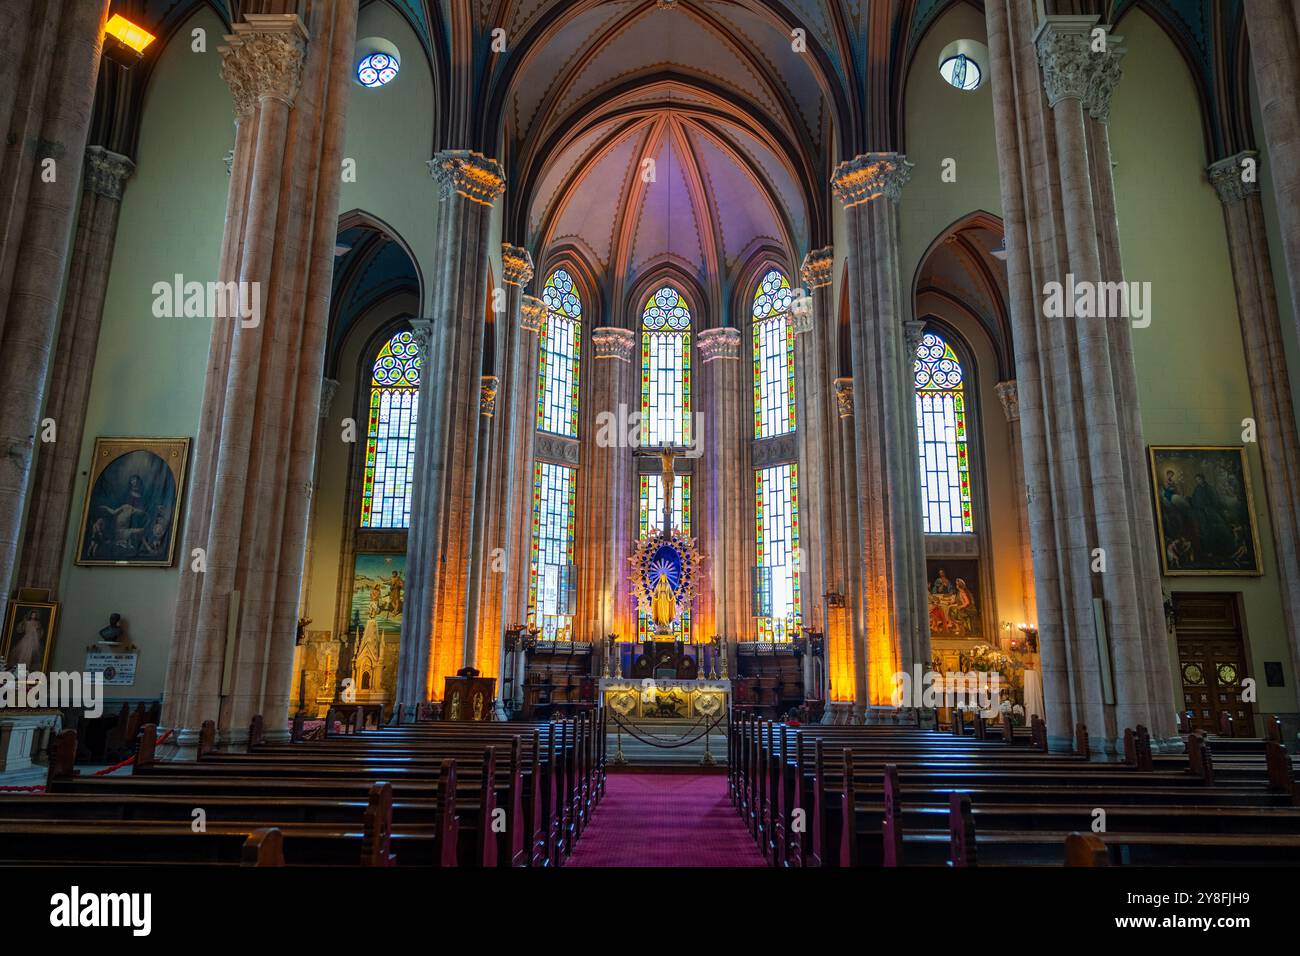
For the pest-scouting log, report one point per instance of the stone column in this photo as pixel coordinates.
(478, 643)
(605, 527)
(250, 494)
(329, 387)
(814, 431)
(532, 310)
(726, 484)
(1270, 386)
(510, 413)
(1088, 498)
(48, 67)
(849, 692)
(1011, 406)
(1274, 29)
(886, 480)
(436, 626)
(106, 173)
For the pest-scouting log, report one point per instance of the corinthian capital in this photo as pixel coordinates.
(609, 342)
(263, 58)
(517, 264)
(470, 175)
(1072, 66)
(1229, 177)
(422, 331)
(816, 268)
(106, 172)
(720, 343)
(531, 311)
(869, 176)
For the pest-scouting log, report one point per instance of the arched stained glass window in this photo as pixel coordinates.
(773, 357)
(777, 600)
(390, 436)
(652, 521)
(561, 333)
(666, 369)
(941, 431)
(551, 580)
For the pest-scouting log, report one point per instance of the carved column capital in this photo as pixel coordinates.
(1234, 178)
(422, 330)
(869, 176)
(1010, 395)
(844, 397)
(608, 342)
(329, 387)
(720, 343)
(517, 264)
(531, 312)
(913, 332)
(470, 175)
(1073, 68)
(263, 59)
(107, 172)
(487, 395)
(816, 269)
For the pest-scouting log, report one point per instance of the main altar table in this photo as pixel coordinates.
(665, 698)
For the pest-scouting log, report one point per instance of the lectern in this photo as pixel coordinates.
(468, 697)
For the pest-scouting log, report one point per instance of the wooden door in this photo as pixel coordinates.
(1212, 660)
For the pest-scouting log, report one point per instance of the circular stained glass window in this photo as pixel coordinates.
(377, 69)
(962, 72)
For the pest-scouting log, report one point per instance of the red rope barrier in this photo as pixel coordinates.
(129, 760)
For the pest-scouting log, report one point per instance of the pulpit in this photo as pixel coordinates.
(468, 697)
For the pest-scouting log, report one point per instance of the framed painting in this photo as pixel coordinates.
(1205, 512)
(133, 500)
(29, 635)
(953, 587)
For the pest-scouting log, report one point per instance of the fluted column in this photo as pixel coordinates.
(524, 404)
(1274, 29)
(605, 525)
(437, 626)
(478, 642)
(1089, 503)
(890, 543)
(41, 562)
(499, 555)
(1270, 387)
(247, 515)
(849, 688)
(1010, 399)
(726, 488)
(49, 63)
(815, 428)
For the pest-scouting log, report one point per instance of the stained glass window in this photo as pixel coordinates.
(561, 333)
(773, 357)
(652, 520)
(666, 369)
(390, 436)
(776, 509)
(550, 582)
(941, 431)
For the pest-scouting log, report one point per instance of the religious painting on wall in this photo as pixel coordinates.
(28, 635)
(133, 501)
(378, 594)
(1205, 514)
(955, 606)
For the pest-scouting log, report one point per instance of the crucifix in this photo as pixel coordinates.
(666, 455)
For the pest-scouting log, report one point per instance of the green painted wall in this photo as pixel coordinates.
(149, 372)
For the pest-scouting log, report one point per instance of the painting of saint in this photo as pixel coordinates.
(133, 502)
(1204, 512)
(28, 635)
(378, 584)
(954, 607)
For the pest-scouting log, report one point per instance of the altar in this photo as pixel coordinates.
(670, 699)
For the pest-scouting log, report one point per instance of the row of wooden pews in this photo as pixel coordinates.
(422, 794)
(887, 795)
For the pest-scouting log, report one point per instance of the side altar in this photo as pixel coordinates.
(656, 699)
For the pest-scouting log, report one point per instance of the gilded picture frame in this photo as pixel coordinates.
(29, 635)
(1205, 511)
(132, 507)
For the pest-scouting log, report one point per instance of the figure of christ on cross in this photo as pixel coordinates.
(666, 455)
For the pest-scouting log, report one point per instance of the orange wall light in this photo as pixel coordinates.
(123, 30)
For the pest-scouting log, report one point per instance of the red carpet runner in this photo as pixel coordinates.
(648, 819)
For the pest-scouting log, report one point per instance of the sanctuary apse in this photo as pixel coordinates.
(686, 341)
